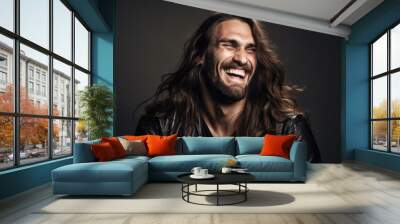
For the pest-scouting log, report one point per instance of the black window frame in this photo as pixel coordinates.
(16, 115)
(388, 74)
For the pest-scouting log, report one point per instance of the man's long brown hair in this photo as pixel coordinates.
(269, 99)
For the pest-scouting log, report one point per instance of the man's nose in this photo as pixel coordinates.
(240, 57)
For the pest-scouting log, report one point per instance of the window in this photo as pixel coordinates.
(38, 73)
(3, 61)
(81, 45)
(62, 30)
(34, 22)
(385, 91)
(44, 91)
(41, 83)
(3, 72)
(7, 14)
(38, 89)
(62, 75)
(6, 89)
(30, 87)
(81, 81)
(3, 78)
(30, 72)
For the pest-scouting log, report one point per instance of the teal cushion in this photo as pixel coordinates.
(133, 157)
(249, 145)
(111, 171)
(185, 163)
(83, 152)
(257, 163)
(206, 145)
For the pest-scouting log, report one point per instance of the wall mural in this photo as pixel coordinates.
(230, 82)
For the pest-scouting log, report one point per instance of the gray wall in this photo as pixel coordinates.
(149, 42)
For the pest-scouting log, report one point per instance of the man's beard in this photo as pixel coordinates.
(221, 92)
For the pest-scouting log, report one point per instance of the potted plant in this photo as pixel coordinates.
(96, 103)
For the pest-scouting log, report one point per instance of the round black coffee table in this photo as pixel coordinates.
(238, 179)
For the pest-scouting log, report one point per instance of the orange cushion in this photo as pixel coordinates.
(116, 145)
(134, 137)
(161, 145)
(277, 145)
(103, 151)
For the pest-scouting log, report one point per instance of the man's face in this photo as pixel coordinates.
(230, 60)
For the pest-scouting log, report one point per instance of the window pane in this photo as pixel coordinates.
(395, 134)
(34, 97)
(379, 135)
(35, 21)
(7, 14)
(6, 142)
(81, 45)
(379, 100)
(62, 137)
(395, 47)
(379, 55)
(6, 74)
(395, 94)
(62, 29)
(33, 140)
(81, 81)
(81, 131)
(62, 89)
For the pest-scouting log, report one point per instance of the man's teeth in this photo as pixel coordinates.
(238, 72)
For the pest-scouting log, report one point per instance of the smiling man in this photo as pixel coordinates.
(230, 83)
(227, 67)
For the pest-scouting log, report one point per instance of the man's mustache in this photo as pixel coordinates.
(246, 67)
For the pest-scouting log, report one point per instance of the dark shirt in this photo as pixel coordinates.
(296, 125)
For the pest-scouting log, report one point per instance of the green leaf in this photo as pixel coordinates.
(96, 102)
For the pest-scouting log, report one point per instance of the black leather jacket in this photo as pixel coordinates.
(297, 125)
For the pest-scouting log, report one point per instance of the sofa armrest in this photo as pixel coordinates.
(83, 152)
(298, 155)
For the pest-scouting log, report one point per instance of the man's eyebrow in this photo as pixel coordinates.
(227, 40)
(251, 45)
(233, 41)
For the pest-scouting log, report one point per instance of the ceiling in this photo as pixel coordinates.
(333, 17)
(319, 9)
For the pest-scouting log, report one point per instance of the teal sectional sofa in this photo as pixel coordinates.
(125, 176)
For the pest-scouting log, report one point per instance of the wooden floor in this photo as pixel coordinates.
(377, 188)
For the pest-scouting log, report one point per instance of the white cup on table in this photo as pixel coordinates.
(226, 170)
(196, 170)
(203, 172)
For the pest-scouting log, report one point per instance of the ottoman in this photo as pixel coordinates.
(118, 177)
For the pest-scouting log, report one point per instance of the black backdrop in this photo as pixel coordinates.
(149, 42)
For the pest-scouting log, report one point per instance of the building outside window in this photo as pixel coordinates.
(55, 94)
(44, 77)
(30, 87)
(385, 91)
(43, 90)
(3, 72)
(3, 78)
(30, 72)
(3, 60)
(37, 75)
(58, 125)
(38, 89)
